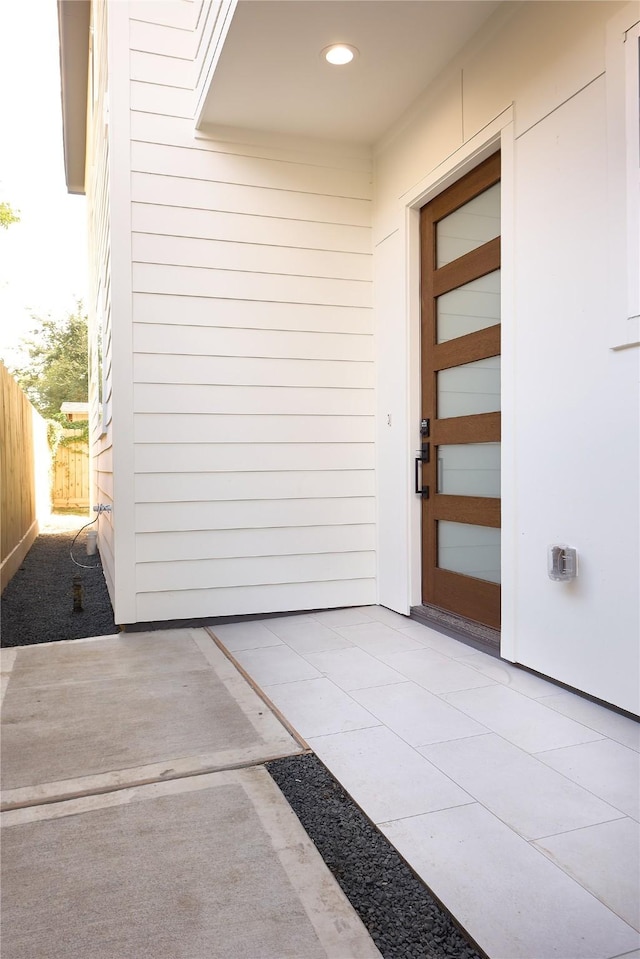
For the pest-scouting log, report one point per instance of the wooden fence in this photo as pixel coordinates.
(24, 475)
(71, 475)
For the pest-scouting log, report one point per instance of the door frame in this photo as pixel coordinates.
(498, 135)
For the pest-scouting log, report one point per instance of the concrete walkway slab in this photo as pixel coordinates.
(89, 715)
(212, 866)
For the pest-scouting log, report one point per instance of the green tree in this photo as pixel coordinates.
(57, 370)
(8, 215)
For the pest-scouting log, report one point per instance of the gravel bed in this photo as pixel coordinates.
(402, 917)
(37, 605)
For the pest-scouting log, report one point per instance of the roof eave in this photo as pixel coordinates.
(74, 17)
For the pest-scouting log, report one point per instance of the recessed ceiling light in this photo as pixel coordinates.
(339, 54)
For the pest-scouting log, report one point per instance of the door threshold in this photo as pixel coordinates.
(483, 638)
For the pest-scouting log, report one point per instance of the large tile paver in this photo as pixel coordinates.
(316, 707)
(514, 902)
(607, 769)
(416, 715)
(384, 775)
(605, 859)
(519, 789)
(519, 719)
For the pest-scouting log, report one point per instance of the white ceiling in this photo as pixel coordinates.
(270, 75)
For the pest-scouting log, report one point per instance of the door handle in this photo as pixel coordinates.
(422, 457)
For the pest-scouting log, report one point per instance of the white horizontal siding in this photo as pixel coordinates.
(222, 543)
(201, 164)
(249, 257)
(176, 130)
(162, 39)
(181, 191)
(201, 311)
(168, 221)
(201, 457)
(239, 600)
(253, 398)
(253, 514)
(157, 98)
(159, 68)
(253, 571)
(250, 371)
(279, 344)
(251, 428)
(227, 284)
(311, 401)
(298, 484)
(183, 15)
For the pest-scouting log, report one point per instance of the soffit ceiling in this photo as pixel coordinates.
(270, 75)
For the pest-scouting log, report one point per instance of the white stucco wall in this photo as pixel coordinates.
(534, 82)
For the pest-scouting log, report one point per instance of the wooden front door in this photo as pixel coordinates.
(458, 471)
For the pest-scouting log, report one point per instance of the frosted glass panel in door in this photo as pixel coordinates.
(469, 389)
(469, 469)
(469, 308)
(471, 550)
(467, 228)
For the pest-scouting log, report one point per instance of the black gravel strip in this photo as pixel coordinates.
(37, 605)
(401, 916)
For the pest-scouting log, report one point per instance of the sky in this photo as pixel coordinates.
(43, 261)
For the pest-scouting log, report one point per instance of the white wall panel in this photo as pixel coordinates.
(197, 281)
(154, 98)
(249, 257)
(254, 428)
(200, 164)
(170, 221)
(253, 571)
(294, 484)
(253, 514)
(243, 314)
(239, 199)
(244, 600)
(250, 371)
(211, 341)
(313, 401)
(209, 457)
(209, 544)
(252, 351)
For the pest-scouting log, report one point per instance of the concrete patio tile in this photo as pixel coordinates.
(353, 668)
(607, 769)
(416, 715)
(384, 775)
(605, 859)
(515, 786)
(378, 639)
(510, 675)
(435, 640)
(436, 672)
(251, 635)
(608, 722)
(510, 898)
(317, 707)
(215, 865)
(308, 636)
(275, 664)
(381, 614)
(519, 719)
(343, 617)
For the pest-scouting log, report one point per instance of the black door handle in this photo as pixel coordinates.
(422, 457)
